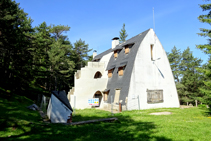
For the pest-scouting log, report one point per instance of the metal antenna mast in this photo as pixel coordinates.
(153, 18)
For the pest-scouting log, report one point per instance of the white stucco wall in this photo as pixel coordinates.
(105, 59)
(86, 86)
(145, 75)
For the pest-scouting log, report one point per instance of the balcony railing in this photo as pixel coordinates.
(96, 64)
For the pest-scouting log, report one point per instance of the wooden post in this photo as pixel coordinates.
(120, 107)
(69, 120)
(111, 106)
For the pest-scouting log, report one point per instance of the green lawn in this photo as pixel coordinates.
(19, 123)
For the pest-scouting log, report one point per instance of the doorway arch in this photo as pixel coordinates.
(99, 95)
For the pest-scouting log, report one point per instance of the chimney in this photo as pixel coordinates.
(94, 54)
(115, 41)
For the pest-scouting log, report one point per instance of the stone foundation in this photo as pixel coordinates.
(107, 106)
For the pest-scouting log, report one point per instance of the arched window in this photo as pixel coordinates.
(97, 75)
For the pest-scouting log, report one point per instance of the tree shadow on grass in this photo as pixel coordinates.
(206, 111)
(14, 114)
(209, 110)
(124, 129)
(19, 123)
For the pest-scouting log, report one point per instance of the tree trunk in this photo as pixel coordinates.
(196, 103)
(177, 79)
(43, 103)
(187, 103)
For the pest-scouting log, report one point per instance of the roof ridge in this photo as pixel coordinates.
(97, 56)
(135, 36)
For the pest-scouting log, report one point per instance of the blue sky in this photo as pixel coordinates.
(98, 21)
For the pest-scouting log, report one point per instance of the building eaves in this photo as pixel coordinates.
(111, 67)
(102, 54)
(122, 64)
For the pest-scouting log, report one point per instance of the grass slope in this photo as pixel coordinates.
(19, 123)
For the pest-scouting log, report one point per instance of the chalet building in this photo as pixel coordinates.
(135, 73)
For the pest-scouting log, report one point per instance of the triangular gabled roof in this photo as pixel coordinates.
(61, 95)
(123, 82)
(136, 40)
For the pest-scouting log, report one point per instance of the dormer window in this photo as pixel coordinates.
(121, 71)
(110, 72)
(115, 53)
(121, 68)
(128, 48)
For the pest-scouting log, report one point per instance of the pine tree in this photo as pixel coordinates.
(42, 44)
(123, 34)
(58, 30)
(60, 66)
(35, 57)
(187, 77)
(175, 60)
(59, 57)
(206, 48)
(191, 78)
(16, 35)
(81, 56)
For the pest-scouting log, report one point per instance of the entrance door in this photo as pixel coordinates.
(99, 95)
(117, 94)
